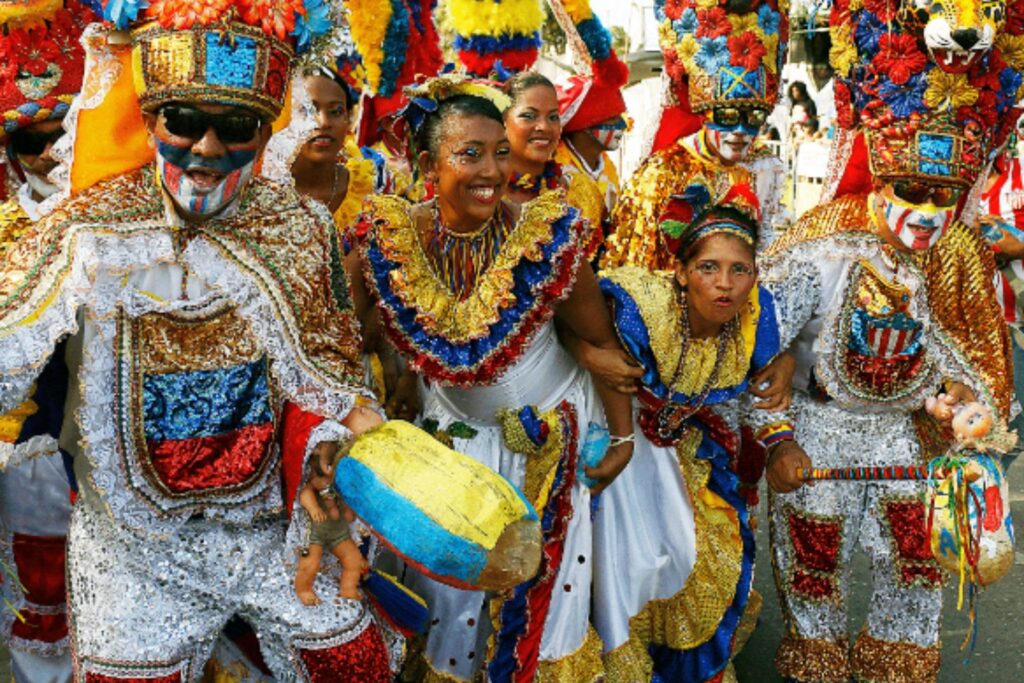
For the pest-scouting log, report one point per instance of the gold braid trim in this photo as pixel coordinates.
(415, 283)
(691, 616)
(636, 240)
(881, 661)
(824, 661)
(582, 666)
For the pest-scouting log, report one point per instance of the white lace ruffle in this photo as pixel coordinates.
(12, 455)
(285, 145)
(39, 323)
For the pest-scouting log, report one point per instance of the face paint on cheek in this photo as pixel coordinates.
(173, 162)
(915, 226)
(733, 144)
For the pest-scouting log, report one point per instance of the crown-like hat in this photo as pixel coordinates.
(219, 51)
(686, 220)
(585, 100)
(928, 114)
(41, 59)
(723, 51)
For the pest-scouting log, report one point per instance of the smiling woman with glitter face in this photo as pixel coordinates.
(481, 284)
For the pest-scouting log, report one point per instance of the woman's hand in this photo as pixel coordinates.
(614, 461)
(614, 367)
(783, 462)
(777, 378)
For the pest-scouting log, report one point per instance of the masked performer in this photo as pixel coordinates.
(681, 604)
(886, 296)
(723, 65)
(35, 486)
(468, 287)
(194, 300)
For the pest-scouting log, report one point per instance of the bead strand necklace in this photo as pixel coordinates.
(459, 258)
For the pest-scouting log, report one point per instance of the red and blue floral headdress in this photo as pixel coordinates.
(688, 219)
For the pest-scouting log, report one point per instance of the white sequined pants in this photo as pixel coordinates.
(151, 608)
(814, 533)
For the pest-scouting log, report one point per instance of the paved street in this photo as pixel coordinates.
(998, 656)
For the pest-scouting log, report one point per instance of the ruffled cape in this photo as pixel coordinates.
(472, 341)
(957, 272)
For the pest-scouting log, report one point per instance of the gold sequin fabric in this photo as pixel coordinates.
(878, 661)
(14, 223)
(585, 194)
(636, 238)
(417, 286)
(958, 274)
(813, 660)
(582, 666)
(659, 304)
(361, 176)
(692, 615)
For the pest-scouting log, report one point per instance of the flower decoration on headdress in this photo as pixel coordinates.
(716, 54)
(688, 217)
(930, 111)
(41, 59)
(506, 31)
(424, 98)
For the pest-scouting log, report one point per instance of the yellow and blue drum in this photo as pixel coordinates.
(446, 514)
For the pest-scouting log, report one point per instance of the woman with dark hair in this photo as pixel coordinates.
(798, 94)
(681, 604)
(329, 166)
(534, 131)
(467, 288)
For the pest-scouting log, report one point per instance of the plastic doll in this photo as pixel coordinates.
(329, 519)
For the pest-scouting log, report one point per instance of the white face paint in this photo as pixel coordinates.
(916, 226)
(608, 138)
(732, 145)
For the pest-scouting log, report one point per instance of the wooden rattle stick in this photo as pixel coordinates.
(889, 473)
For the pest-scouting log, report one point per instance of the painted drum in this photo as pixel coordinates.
(451, 517)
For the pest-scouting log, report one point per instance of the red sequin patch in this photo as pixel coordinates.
(815, 542)
(40, 562)
(914, 561)
(211, 462)
(100, 678)
(812, 586)
(364, 659)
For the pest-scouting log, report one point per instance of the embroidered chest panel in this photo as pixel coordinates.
(196, 406)
(880, 352)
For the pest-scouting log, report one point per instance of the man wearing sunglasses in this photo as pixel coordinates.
(196, 306)
(886, 301)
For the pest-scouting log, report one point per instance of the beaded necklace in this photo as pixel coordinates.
(672, 414)
(550, 179)
(458, 258)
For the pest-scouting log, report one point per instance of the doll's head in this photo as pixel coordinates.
(971, 422)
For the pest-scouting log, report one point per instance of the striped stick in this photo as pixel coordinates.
(889, 473)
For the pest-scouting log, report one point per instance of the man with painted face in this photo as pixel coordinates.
(886, 300)
(195, 306)
(720, 98)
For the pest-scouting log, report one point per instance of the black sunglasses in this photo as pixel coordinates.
(734, 116)
(33, 142)
(918, 193)
(192, 123)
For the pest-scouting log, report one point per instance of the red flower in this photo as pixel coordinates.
(33, 49)
(983, 111)
(674, 8)
(275, 17)
(898, 57)
(712, 23)
(844, 107)
(987, 77)
(746, 51)
(883, 9)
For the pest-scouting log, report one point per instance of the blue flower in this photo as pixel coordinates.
(768, 19)
(122, 12)
(1009, 81)
(869, 29)
(905, 99)
(686, 24)
(316, 23)
(659, 10)
(712, 54)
